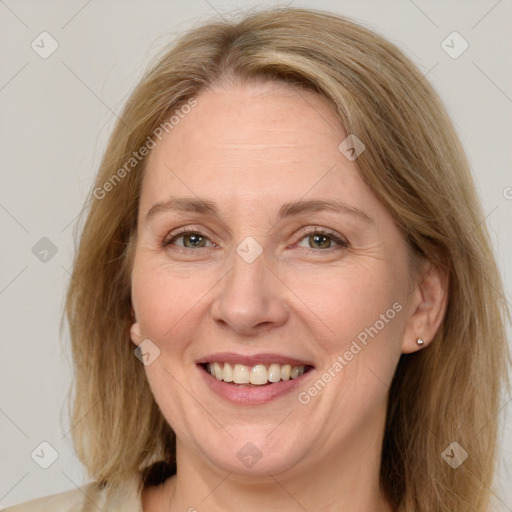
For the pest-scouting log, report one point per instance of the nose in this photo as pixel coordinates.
(250, 299)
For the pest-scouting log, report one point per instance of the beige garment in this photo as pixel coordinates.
(87, 498)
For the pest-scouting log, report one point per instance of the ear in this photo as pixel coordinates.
(135, 334)
(427, 307)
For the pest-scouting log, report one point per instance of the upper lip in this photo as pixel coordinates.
(252, 360)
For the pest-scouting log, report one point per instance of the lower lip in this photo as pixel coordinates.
(250, 395)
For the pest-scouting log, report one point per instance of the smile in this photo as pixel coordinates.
(257, 375)
(253, 379)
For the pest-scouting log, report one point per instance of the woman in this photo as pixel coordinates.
(285, 229)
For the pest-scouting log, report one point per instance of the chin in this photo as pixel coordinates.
(251, 451)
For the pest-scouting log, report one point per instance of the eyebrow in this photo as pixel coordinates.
(205, 207)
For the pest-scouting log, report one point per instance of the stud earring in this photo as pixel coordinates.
(420, 341)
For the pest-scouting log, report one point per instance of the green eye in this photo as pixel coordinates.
(321, 241)
(193, 240)
(188, 240)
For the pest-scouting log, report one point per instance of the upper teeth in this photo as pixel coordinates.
(258, 374)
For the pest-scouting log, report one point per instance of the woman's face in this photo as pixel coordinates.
(260, 248)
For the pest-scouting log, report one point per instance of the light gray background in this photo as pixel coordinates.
(57, 114)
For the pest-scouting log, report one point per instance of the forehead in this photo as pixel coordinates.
(250, 143)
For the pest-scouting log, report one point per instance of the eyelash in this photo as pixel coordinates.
(342, 243)
(169, 239)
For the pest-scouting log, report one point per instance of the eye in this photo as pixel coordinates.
(189, 240)
(322, 240)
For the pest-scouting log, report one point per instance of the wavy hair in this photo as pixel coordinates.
(413, 163)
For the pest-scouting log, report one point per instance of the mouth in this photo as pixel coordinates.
(252, 380)
(255, 375)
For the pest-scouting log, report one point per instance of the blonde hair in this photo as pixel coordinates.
(413, 163)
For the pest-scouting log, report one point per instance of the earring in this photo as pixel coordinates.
(420, 341)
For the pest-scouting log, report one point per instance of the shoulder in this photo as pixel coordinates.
(73, 500)
(87, 498)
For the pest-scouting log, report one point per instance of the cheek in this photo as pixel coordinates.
(164, 299)
(360, 314)
(166, 304)
(362, 324)
(349, 300)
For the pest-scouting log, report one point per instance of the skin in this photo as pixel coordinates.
(250, 149)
